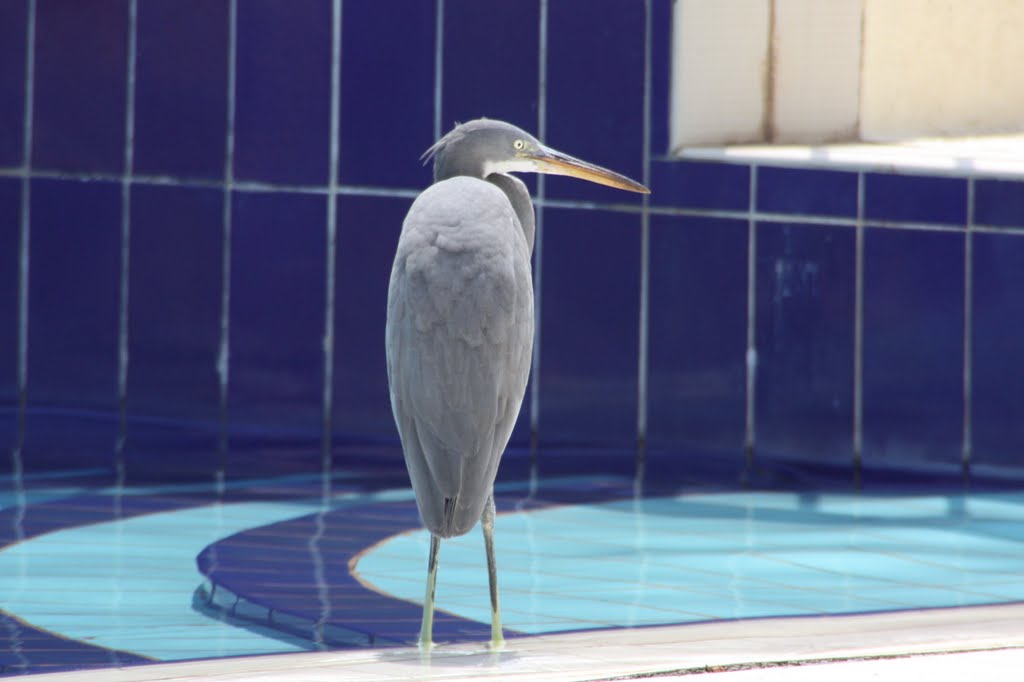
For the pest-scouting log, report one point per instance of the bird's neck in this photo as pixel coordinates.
(519, 197)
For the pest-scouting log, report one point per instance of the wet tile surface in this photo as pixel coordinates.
(104, 574)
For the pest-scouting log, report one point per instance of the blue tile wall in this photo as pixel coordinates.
(698, 184)
(74, 294)
(596, 64)
(807, 191)
(10, 211)
(913, 296)
(80, 73)
(283, 91)
(277, 311)
(804, 337)
(913, 346)
(181, 88)
(174, 313)
(74, 301)
(490, 62)
(915, 198)
(386, 94)
(13, 18)
(998, 335)
(999, 203)
(368, 229)
(589, 320)
(698, 333)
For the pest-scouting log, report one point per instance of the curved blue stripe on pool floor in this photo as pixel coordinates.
(633, 563)
(575, 551)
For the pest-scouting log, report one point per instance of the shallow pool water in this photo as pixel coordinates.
(714, 556)
(99, 574)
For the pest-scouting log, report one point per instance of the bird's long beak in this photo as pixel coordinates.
(554, 162)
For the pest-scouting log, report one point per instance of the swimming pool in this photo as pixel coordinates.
(105, 575)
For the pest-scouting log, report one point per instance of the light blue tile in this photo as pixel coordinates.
(734, 555)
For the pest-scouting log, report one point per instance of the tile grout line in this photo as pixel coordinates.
(126, 208)
(17, 455)
(643, 359)
(858, 331)
(438, 65)
(26, 216)
(751, 357)
(223, 355)
(968, 376)
(257, 187)
(538, 235)
(332, 234)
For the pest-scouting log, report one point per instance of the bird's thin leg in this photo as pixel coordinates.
(427, 627)
(487, 522)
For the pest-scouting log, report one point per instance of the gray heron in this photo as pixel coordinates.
(459, 334)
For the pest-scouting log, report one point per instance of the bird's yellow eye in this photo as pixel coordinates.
(518, 145)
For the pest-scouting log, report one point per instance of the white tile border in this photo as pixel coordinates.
(995, 156)
(609, 654)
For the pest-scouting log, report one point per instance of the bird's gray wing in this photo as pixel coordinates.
(459, 341)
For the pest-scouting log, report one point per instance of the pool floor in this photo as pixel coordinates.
(100, 574)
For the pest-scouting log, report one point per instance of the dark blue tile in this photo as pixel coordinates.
(805, 319)
(385, 129)
(368, 229)
(915, 198)
(661, 59)
(283, 91)
(174, 303)
(589, 328)
(277, 311)
(73, 317)
(595, 91)
(80, 74)
(62, 438)
(490, 62)
(698, 333)
(913, 346)
(181, 88)
(10, 239)
(700, 184)
(807, 191)
(997, 402)
(13, 24)
(999, 203)
(74, 294)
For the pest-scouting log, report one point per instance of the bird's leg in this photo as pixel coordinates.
(427, 627)
(487, 523)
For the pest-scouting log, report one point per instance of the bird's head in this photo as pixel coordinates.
(482, 147)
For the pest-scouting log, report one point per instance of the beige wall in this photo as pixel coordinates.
(936, 67)
(816, 71)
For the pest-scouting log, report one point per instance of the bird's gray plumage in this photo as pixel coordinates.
(459, 343)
